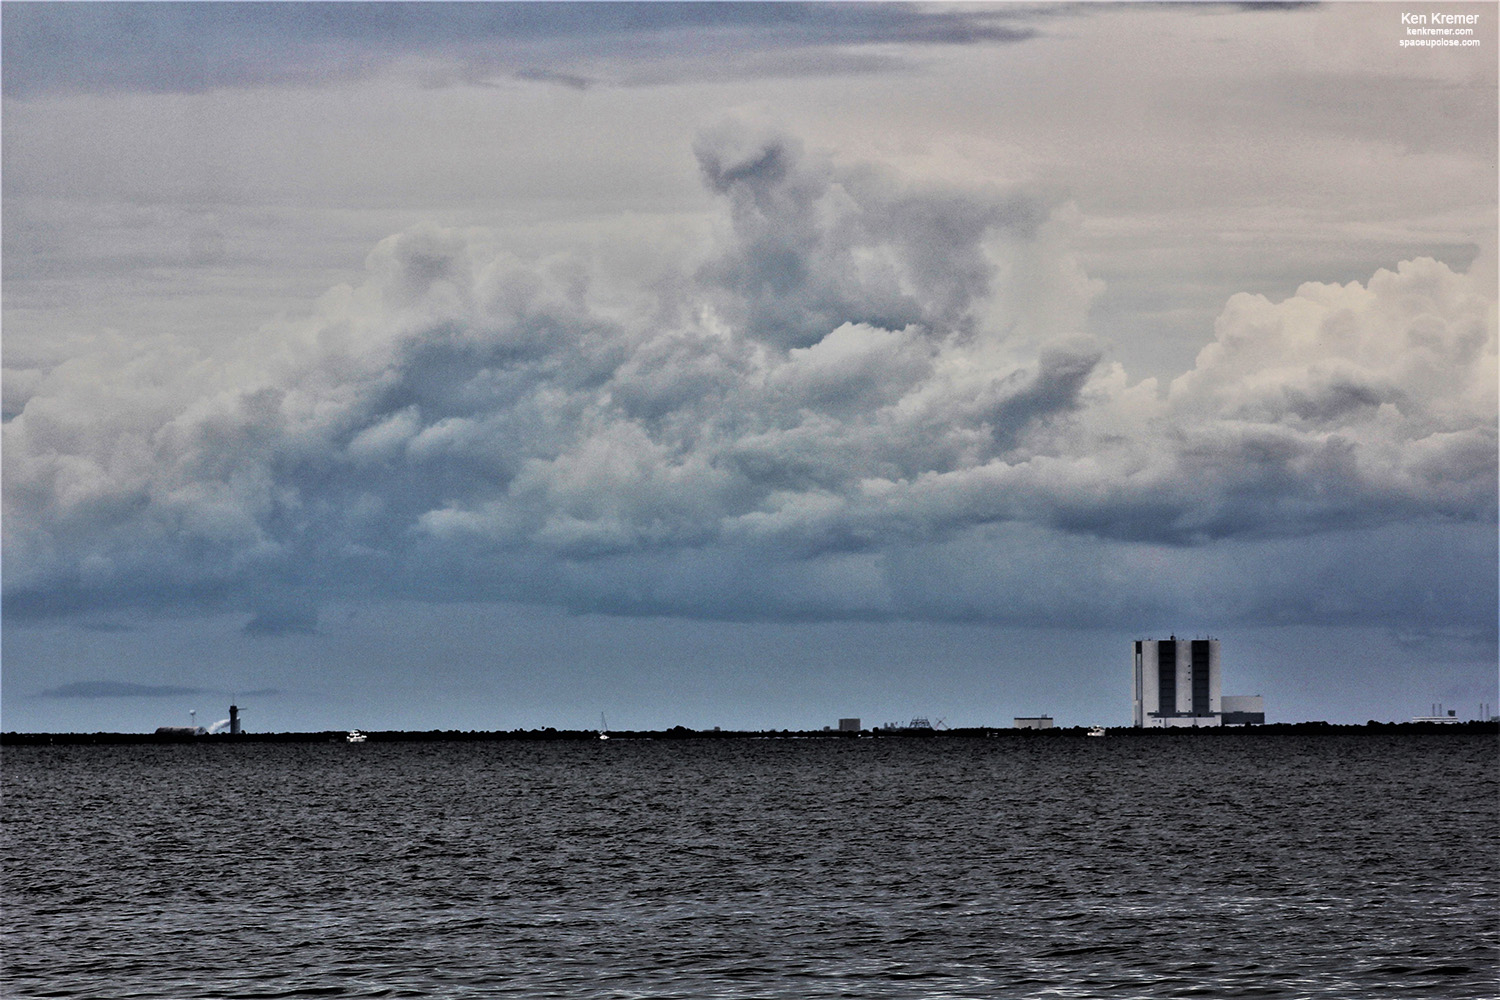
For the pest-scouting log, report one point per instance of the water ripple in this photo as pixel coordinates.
(1331, 866)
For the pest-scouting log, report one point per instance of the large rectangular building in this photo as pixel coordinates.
(1177, 683)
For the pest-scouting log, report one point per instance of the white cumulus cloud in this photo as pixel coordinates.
(857, 376)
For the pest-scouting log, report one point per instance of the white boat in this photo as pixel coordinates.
(1097, 731)
(355, 736)
(602, 727)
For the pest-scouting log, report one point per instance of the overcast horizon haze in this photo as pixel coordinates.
(495, 366)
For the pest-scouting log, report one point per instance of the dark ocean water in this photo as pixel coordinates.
(1256, 865)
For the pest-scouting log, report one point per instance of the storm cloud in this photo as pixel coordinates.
(863, 384)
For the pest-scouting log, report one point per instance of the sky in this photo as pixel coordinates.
(498, 366)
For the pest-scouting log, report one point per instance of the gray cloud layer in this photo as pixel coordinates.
(867, 399)
(190, 47)
(118, 689)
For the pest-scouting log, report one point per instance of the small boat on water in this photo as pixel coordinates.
(355, 736)
(602, 727)
(1097, 731)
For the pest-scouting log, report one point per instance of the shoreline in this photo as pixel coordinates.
(1470, 727)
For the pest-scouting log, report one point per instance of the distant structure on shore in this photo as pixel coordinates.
(1033, 722)
(920, 723)
(1438, 717)
(1243, 710)
(233, 722)
(848, 725)
(1177, 683)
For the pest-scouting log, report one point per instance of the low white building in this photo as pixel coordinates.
(1243, 710)
(1033, 722)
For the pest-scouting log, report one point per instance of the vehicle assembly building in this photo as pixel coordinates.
(1177, 682)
